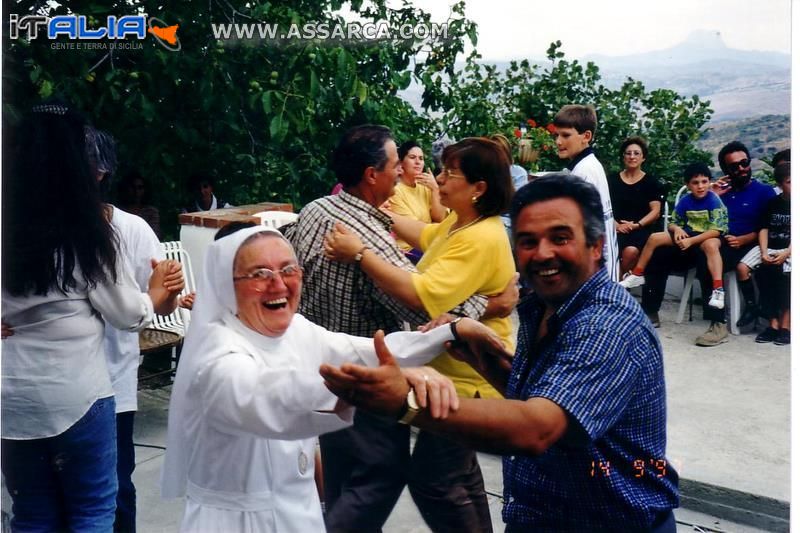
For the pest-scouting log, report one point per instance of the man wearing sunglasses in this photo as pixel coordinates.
(745, 200)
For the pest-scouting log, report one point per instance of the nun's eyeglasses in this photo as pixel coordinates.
(264, 275)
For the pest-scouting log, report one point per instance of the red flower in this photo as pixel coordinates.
(551, 128)
(531, 123)
(517, 133)
(545, 147)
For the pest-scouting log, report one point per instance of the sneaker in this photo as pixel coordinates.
(654, 319)
(749, 316)
(783, 337)
(768, 335)
(631, 280)
(717, 300)
(717, 334)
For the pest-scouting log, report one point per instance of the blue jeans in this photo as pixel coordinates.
(125, 520)
(66, 482)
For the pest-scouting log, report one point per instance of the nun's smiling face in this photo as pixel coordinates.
(267, 281)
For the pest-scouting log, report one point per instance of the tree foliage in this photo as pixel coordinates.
(485, 100)
(263, 118)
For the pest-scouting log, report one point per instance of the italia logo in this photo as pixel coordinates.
(77, 27)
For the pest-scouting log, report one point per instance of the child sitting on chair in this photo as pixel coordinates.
(774, 254)
(699, 219)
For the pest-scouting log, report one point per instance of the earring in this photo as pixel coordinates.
(474, 199)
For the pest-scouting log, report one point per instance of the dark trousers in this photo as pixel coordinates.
(367, 466)
(665, 260)
(775, 290)
(447, 485)
(125, 517)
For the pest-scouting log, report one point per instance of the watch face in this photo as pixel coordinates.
(412, 401)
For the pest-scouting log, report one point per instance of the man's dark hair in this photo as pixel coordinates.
(782, 157)
(734, 146)
(563, 185)
(195, 180)
(633, 140)
(403, 149)
(580, 117)
(359, 148)
(126, 189)
(696, 169)
(782, 171)
(481, 159)
(54, 222)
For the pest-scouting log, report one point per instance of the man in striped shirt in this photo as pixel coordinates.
(366, 466)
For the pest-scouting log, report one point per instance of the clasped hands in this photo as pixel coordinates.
(383, 390)
(682, 239)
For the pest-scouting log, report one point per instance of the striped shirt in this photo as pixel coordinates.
(340, 296)
(601, 361)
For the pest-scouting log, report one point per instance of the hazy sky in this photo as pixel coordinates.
(524, 28)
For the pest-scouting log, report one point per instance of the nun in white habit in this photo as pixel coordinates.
(248, 400)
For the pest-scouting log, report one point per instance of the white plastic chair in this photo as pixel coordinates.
(276, 219)
(168, 331)
(178, 320)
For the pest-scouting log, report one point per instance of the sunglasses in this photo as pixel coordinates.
(744, 163)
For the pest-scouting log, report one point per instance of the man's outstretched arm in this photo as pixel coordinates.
(495, 426)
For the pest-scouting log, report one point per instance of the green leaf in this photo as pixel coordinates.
(314, 85)
(46, 89)
(278, 128)
(266, 102)
(362, 92)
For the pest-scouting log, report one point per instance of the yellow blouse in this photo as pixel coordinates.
(414, 202)
(473, 259)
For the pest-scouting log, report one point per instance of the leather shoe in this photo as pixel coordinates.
(749, 316)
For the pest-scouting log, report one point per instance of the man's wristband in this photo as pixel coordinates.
(454, 330)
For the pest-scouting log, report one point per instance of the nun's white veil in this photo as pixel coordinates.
(216, 300)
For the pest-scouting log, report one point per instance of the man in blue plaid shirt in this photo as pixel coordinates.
(583, 425)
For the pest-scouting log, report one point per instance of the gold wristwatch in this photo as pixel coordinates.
(410, 408)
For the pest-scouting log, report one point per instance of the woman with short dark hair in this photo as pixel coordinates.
(636, 202)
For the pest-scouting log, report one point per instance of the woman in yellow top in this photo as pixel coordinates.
(416, 194)
(465, 254)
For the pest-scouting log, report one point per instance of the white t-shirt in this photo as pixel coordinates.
(138, 244)
(590, 169)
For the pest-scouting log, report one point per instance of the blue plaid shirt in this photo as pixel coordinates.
(601, 361)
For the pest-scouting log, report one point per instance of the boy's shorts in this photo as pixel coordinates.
(753, 259)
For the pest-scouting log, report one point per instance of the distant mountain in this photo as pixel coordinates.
(739, 83)
(699, 47)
